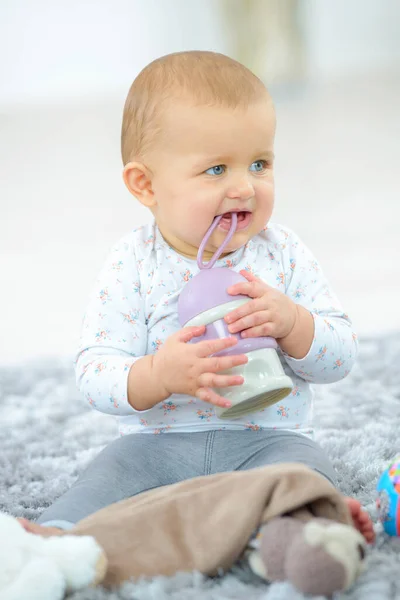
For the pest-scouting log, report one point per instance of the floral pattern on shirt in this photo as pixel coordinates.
(133, 310)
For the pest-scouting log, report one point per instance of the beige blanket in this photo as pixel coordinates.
(205, 523)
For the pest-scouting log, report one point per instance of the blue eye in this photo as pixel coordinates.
(217, 170)
(259, 165)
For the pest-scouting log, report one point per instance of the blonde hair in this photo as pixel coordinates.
(205, 78)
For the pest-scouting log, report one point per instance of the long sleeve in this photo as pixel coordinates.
(334, 347)
(114, 334)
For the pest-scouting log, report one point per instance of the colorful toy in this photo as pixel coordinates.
(388, 501)
(205, 301)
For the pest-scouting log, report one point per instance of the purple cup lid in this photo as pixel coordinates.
(207, 290)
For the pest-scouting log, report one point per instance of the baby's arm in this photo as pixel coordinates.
(114, 338)
(333, 348)
(113, 371)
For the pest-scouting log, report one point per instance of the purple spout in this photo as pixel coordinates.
(220, 250)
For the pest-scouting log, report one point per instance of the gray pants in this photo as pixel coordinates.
(135, 463)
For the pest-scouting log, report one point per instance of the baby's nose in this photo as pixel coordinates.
(241, 190)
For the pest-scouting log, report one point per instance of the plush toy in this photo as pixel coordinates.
(37, 568)
(319, 557)
(205, 524)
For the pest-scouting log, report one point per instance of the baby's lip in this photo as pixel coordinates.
(235, 210)
(243, 221)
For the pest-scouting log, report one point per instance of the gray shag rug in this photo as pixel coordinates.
(48, 435)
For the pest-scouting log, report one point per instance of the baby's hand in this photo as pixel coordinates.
(269, 313)
(190, 369)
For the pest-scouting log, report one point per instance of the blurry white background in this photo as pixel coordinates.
(65, 68)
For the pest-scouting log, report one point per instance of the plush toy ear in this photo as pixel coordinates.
(315, 533)
(343, 544)
(80, 558)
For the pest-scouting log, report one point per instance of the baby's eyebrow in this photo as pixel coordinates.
(210, 160)
(221, 159)
(266, 153)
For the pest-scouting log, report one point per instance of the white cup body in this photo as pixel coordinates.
(265, 381)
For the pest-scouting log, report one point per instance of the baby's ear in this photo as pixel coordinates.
(138, 180)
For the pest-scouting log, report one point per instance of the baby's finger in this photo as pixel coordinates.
(249, 308)
(249, 276)
(215, 364)
(266, 329)
(188, 333)
(253, 289)
(208, 395)
(208, 347)
(213, 380)
(243, 287)
(246, 309)
(251, 320)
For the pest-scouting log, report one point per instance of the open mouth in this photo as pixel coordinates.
(243, 220)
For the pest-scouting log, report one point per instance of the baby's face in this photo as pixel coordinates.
(211, 161)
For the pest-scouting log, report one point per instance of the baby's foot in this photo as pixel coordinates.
(361, 519)
(36, 529)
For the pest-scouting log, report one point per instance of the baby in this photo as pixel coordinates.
(198, 141)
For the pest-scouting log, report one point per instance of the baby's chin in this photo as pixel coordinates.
(229, 249)
(239, 239)
(190, 247)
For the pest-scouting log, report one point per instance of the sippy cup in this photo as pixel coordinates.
(205, 301)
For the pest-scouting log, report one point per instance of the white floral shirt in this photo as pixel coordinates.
(133, 310)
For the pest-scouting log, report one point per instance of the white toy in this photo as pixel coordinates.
(37, 568)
